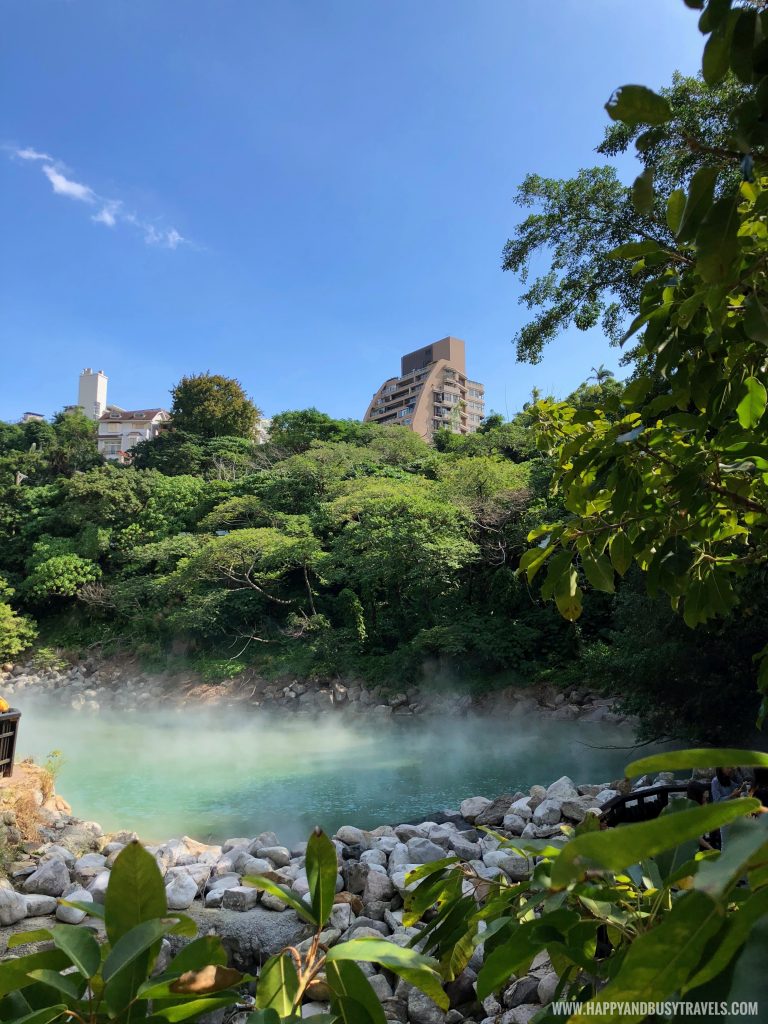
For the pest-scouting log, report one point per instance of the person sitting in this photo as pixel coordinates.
(727, 784)
(699, 793)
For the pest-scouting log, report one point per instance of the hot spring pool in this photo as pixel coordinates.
(216, 773)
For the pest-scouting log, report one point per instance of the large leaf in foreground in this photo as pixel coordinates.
(704, 757)
(135, 892)
(617, 848)
(322, 869)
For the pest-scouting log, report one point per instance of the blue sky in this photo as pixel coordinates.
(293, 192)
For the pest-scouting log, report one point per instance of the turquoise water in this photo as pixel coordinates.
(215, 773)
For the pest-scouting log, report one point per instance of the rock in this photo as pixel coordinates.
(406, 832)
(421, 1009)
(576, 810)
(538, 793)
(270, 901)
(562, 789)
(279, 855)
(494, 813)
(349, 835)
(53, 851)
(233, 844)
(522, 1014)
(522, 808)
(514, 823)
(50, 879)
(181, 891)
(13, 907)
(524, 990)
(547, 987)
(424, 851)
(547, 813)
(71, 915)
(532, 831)
(605, 795)
(464, 849)
(223, 882)
(241, 897)
(378, 886)
(37, 906)
(98, 886)
(249, 936)
(377, 857)
(380, 986)
(473, 806)
(516, 866)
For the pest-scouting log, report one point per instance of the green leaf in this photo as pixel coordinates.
(14, 973)
(278, 985)
(193, 1008)
(750, 978)
(135, 892)
(70, 985)
(346, 980)
(46, 1016)
(636, 104)
(717, 244)
(406, 963)
(700, 196)
(659, 962)
(80, 946)
(24, 938)
(616, 849)
(568, 595)
(675, 207)
(265, 1017)
(208, 949)
(132, 944)
(322, 870)
(699, 757)
(642, 191)
(533, 559)
(717, 53)
(598, 570)
(730, 939)
(510, 957)
(756, 320)
(620, 551)
(745, 838)
(752, 406)
(259, 882)
(743, 44)
(634, 250)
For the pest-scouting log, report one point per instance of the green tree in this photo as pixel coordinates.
(676, 482)
(209, 405)
(576, 223)
(16, 631)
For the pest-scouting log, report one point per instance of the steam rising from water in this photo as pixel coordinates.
(217, 772)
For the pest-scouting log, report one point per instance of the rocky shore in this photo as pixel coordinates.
(94, 685)
(73, 859)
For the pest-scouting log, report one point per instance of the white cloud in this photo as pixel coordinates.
(31, 154)
(111, 213)
(64, 186)
(108, 214)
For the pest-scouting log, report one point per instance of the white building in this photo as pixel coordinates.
(120, 430)
(92, 392)
(263, 427)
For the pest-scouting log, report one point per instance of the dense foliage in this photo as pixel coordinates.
(670, 475)
(341, 547)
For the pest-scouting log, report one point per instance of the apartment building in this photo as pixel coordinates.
(432, 392)
(120, 430)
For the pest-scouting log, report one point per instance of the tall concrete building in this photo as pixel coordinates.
(432, 392)
(92, 393)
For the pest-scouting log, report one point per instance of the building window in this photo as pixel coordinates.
(112, 448)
